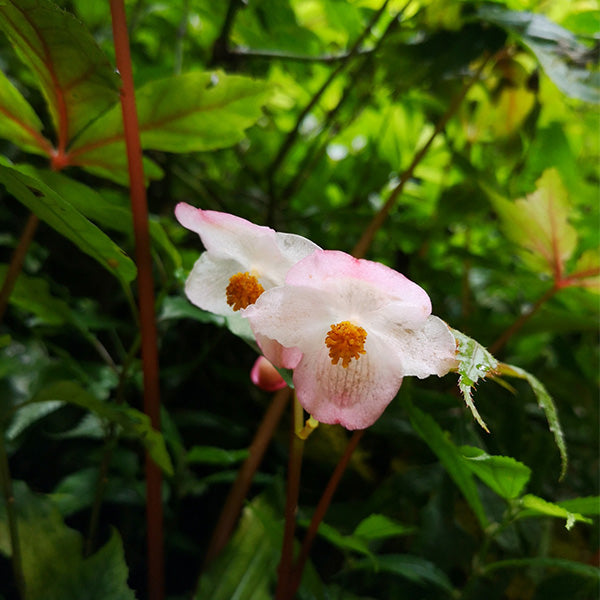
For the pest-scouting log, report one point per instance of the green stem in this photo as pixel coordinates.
(291, 504)
(239, 489)
(139, 207)
(11, 515)
(320, 511)
(378, 220)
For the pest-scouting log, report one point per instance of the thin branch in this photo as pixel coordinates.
(154, 509)
(367, 238)
(11, 517)
(16, 262)
(239, 489)
(293, 57)
(220, 47)
(320, 511)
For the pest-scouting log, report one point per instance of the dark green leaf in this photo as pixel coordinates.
(577, 568)
(62, 216)
(377, 527)
(213, 455)
(505, 475)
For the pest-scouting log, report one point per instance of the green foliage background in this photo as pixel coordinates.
(273, 112)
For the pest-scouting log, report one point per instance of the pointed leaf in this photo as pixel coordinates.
(72, 72)
(586, 273)
(193, 112)
(539, 224)
(53, 563)
(450, 456)
(62, 216)
(589, 505)
(538, 507)
(503, 474)
(133, 422)
(378, 527)
(571, 566)
(475, 363)
(18, 122)
(546, 403)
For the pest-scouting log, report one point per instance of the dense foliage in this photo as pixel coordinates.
(469, 129)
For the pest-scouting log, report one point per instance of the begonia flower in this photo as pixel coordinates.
(241, 261)
(265, 376)
(357, 327)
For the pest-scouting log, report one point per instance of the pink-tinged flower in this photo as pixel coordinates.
(265, 376)
(357, 327)
(241, 261)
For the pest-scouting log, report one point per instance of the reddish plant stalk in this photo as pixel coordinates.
(284, 570)
(16, 262)
(154, 509)
(319, 514)
(240, 488)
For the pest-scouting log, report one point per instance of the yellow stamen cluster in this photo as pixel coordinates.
(346, 341)
(243, 290)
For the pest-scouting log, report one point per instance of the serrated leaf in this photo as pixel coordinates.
(69, 222)
(546, 403)
(73, 74)
(539, 225)
(450, 456)
(197, 111)
(377, 527)
(51, 552)
(18, 122)
(586, 272)
(533, 506)
(413, 568)
(133, 422)
(474, 363)
(213, 455)
(589, 505)
(503, 474)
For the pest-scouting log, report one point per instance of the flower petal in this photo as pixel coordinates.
(354, 396)
(265, 376)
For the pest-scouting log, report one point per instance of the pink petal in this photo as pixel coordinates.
(265, 376)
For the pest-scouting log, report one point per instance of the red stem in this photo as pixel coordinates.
(240, 488)
(16, 262)
(154, 509)
(319, 514)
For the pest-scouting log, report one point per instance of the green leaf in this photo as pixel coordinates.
(410, 567)
(539, 225)
(28, 415)
(213, 455)
(53, 564)
(576, 568)
(546, 403)
(133, 422)
(177, 307)
(74, 75)
(503, 474)
(585, 506)
(533, 506)
(586, 272)
(18, 121)
(62, 216)
(450, 456)
(475, 362)
(554, 47)
(247, 566)
(197, 111)
(378, 527)
(339, 540)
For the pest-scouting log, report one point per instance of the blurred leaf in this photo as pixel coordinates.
(213, 455)
(539, 225)
(177, 307)
(133, 422)
(585, 506)
(503, 474)
(543, 562)
(53, 564)
(69, 222)
(450, 456)
(555, 48)
(414, 568)
(546, 403)
(538, 507)
(586, 272)
(28, 415)
(246, 568)
(72, 72)
(475, 363)
(339, 540)
(377, 527)
(197, 111)
(18, 122)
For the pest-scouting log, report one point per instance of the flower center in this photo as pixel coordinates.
(243, 290)
(346, 341)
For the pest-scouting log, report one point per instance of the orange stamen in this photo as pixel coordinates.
(243, 290)
(346, 341)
